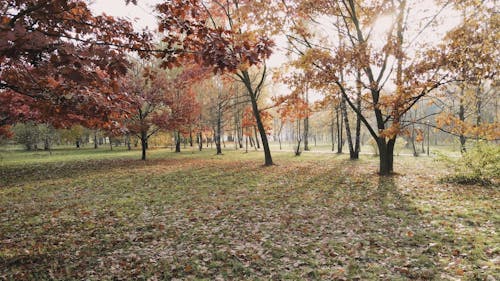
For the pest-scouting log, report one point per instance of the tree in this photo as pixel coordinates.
(28, 134)
(295, 109)
(147, 90)
(377, 63)
(472, 57)
(224, 35)
(184, 109)
(60, 62)
(217, 96)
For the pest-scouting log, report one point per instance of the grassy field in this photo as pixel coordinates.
(104, 215)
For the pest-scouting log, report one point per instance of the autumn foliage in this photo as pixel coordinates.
(61, 62)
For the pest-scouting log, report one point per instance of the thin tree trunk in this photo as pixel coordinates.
(332, 131)
(217, 134)
(340, 143)
(177, 142)
(299, 139)
(190, 137)
(95, 139)
(306, 133)
(461, 116)
(357, 146)
(412, 140)
(256, 138)
(347, 127)
(144, 144)
(200, 141)
(268, 160)
(279, 133)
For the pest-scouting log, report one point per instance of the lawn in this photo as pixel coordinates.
(104, 215)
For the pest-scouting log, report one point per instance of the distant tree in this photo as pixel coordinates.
(472, 57)
(74, 135)
(226, 35)
(31, 135)
(295, 109)
(149, 91)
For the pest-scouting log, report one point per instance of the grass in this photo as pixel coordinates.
(102, 215)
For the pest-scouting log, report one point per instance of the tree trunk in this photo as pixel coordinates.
(95, 140)
(190, 137)
(299, 139)
(46, 144)
(412, 139)
(200, 141)
(177, 142)
(268, 160)
(306, 134)
(343, 107)
(256, 138)
(340, 141)
(144, 145)
(357, 146)
(332, 131)
(386, 155)
(217, 133)
(461, 116)
(240, 135)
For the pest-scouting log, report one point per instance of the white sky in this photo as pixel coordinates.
(141, 15)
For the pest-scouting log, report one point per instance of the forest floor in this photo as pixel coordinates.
(102, 215)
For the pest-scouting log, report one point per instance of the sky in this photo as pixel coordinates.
(141, 15)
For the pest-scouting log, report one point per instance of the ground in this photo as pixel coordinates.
(102, 215)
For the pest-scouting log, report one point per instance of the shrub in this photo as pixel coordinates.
(479, 165)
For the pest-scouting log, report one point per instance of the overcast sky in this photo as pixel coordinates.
(142, 14)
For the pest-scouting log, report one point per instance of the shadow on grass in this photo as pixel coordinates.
(308, 220)
(28, 173)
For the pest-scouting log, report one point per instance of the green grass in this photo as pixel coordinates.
(103, 215)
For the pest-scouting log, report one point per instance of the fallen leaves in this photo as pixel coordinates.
(199, 217)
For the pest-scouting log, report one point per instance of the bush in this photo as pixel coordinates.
(479, 165)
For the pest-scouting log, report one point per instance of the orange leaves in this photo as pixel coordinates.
(293, 108)
(390, 132)
(52, 82)
(4, 20)
(489, 131)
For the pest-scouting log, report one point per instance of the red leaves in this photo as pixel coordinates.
(188, 26)
(160, 100)
(65, 63)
